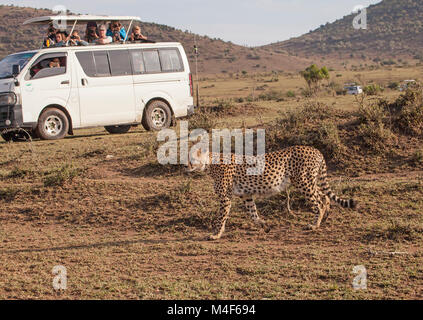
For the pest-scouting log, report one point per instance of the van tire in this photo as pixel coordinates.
(117, 129)
(157, 116)
(52, 125)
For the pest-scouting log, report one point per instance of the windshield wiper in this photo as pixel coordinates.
(7, 77)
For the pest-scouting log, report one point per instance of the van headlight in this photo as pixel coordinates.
(8, 99)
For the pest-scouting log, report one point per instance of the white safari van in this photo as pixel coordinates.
(116, 86)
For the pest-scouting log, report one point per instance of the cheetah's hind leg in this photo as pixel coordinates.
(250, 205)
(326, 208)
(288, 200)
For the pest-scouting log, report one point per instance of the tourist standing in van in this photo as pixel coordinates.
(136, 35)
(75, 39)
(116, 31)
(51, 35)
(103, 38)
(60, 40)
(91, 34)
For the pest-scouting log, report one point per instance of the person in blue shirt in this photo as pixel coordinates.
(116, 31)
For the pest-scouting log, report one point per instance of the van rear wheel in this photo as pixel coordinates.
(117, 129)
(157, 116)
(52, 125)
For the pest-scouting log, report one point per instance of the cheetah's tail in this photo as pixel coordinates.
(350, 203)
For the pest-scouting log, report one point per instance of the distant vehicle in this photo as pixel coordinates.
(353, 89)
(406, 84)
(116, 86)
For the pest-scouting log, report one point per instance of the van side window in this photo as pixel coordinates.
(170, 60)
(152, 61)
(102, 66)
(48, 67)
(137, 61)
(87, 62)
(119, 63)
(94, 63)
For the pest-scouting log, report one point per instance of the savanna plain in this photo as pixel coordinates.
(126, 227)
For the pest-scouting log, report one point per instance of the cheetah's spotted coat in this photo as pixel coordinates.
(300, 166)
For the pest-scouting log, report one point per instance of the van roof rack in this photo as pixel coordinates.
(74, 19)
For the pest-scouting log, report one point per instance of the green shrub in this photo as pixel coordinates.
(393, 85)
(290, 94)
(60, 176)
(272, 95)
(372, 89)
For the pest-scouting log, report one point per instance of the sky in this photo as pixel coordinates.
(243, 22)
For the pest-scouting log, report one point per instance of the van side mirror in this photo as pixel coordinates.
(16, 69)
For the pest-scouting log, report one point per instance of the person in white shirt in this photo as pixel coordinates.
(103, 38)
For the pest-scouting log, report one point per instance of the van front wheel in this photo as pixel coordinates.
(117, 129)
(52, 125)
(157, 116)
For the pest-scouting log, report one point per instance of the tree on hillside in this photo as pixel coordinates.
(313, 75)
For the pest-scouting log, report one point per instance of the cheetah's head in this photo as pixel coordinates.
(198, 160)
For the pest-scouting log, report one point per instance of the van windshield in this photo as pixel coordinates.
(7, 63)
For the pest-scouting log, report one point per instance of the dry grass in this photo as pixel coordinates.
(128, 228)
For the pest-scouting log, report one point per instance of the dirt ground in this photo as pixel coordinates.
(125, 227)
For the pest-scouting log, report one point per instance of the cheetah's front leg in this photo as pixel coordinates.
(250, 205)
(220, 222)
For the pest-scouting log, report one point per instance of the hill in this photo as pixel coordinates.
(215, 55)
(394, 30)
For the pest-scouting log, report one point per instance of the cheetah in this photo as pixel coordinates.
(302, 167)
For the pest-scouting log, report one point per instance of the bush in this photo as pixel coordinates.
(341, 92)
(290, 94)
(60, 176)
(272, 95)
(329, 138)
(393, 85)
(372, 89)
(417, 157)
(202, 120)
(376, 136)
(406, 112)
(307, 92)
(311, 125)
(373, 130)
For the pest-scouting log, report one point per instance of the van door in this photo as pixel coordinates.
(106, 89)
(47, 82)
